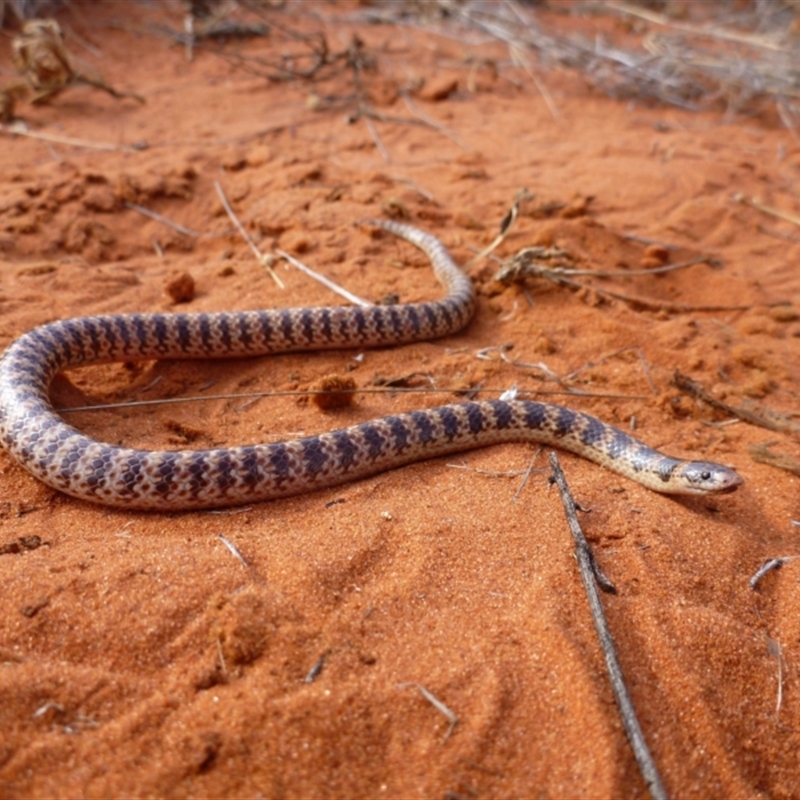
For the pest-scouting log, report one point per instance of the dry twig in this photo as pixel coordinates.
(764, 418)
(768, 566)
(264, 259)
(437, 704)
(590, 575)
(761, 454)
(531, 261)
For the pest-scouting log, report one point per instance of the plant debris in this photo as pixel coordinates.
(41, 58)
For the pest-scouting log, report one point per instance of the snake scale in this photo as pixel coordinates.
(166, 480)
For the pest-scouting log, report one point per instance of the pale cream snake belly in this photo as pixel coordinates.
(71, 462)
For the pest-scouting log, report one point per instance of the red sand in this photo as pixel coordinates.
(140, 657)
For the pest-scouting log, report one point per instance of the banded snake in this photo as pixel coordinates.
(65, 459)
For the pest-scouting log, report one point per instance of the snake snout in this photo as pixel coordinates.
(705, 477)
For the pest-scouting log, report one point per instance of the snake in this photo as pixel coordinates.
(67, 460)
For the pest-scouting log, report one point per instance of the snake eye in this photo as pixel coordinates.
(705, 475)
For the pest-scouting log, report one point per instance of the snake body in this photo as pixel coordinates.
(62, 457)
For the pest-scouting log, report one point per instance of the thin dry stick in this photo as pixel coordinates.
(375, 138)
(512, 272)
(646, 371)
(593, 364)
(232, 547)
(262, 258)
(437, 704)
(334, 287)
(765, 209)
(527, 476)
(516, 51)
(768, 566)
(417, 188)
(761, 454)
(589, 576)
(764, 418)
(17, 129)
(485, 355)
(775, 649)
(429, 121)
(390, 390)
(160, 218)
(634, 273)
(652, 305)
(490, 473)
(221, 654)
(367, 112)
(316, 669)
(506, 225)
(712, 31)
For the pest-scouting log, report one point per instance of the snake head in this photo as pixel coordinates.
(705, 477)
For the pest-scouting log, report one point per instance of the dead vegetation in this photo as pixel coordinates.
(742, 58)
(739, 57)
(41, 58)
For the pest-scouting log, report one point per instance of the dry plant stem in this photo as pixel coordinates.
(765, 209)
(776, 650)
(634, 273)
(390, 390)
(334, 287)
(260, 257)
(376, 138)
(710, 31)
(232, 547)
(768, 566)
(425, 119)
(282, 69)
(526, 476)
(316, 669)
(99, 84)
(15, 129)
(589, 576)
(510, 273)
(159, 218)
(365, 112)
(592, 364)
(771, 420)
(787, 121)
(437, 704)
(505, 228)
(490, 473)
(761, 454)
(223, 666)
(516, 52)
(643, 303)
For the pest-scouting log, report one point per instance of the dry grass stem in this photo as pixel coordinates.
(740, 58)
(160, 218)
(264, 259)
(19, 128)
(327, 282)
(437, 704)
(506, 225)
(770, 565)
(761, 454)
(233, 549)
(764, 208)
(763, 417)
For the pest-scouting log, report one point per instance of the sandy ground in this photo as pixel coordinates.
(141, 657)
